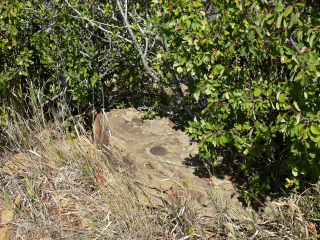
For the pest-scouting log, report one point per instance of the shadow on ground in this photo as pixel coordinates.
(222, 168)
(229, 168)
(226, 167)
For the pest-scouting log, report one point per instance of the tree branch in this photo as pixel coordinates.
(150, 71)
(95, 23)
(295, 45)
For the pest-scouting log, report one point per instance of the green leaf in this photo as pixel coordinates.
(317, 139)
(197, 94)
(243, 52)
(188, 23)
(208, 91)
(23, 73)
(295, 172)
(311, 40)
(312, 155)
(268, 16)
(279, 20)
(271, 20)
(296, 106)
(293, 19)
(315, 129)
(224, 139)
(281, 98)
(194, 25)
(278, 8)
(179, 69)
(257, 92)
(287, 11)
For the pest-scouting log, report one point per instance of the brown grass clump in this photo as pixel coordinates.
(64, 188)
(57, 185)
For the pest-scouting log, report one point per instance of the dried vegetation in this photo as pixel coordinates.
(55, 186)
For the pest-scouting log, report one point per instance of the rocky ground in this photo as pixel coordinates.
(164, 163)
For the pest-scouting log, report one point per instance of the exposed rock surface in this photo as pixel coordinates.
(159, 159)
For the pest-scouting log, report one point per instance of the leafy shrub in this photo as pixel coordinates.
(253, 67)
(15, 57)
(78, 52)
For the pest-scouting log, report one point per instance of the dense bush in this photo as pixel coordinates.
(74, 52)
(15, 57)
(254, 69)
(249, 69)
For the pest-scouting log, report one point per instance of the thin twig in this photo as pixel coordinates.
(295, 45)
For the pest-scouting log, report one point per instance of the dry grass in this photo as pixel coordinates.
(64, 188)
